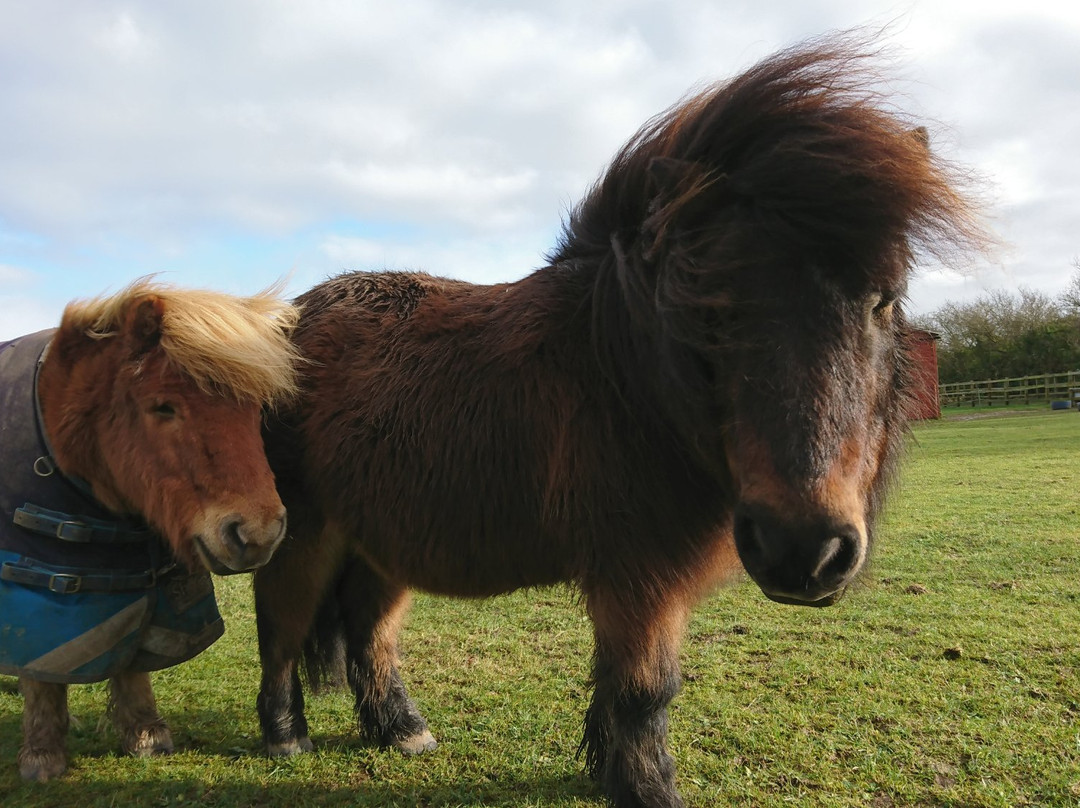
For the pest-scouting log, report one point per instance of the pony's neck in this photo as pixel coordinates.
(67, 395)
(665, 386)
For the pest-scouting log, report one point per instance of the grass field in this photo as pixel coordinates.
(950, 678)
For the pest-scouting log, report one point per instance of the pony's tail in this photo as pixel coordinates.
(323, 661)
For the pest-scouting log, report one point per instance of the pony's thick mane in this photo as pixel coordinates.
(804, 146)
(800, 164)
(226, 343)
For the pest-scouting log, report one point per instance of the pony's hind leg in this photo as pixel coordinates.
(372, 610)
(635, 677)
(143, 732)
(43, 754)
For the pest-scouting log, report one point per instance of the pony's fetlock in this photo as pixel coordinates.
(150, 740)
(417, 744)
(39, 765)
(296, 746)
(143, 732)
(387, 715)
(45, 721)
(639, 774)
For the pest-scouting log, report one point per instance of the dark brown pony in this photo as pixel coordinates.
(153, 398)
(711, 368)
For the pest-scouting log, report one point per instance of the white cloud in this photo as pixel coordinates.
(123, 39)
(135, 133)
(480, 199)
(14, 276)
(24, 315)
(491, 260)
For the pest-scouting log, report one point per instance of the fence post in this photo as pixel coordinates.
(1044, 387)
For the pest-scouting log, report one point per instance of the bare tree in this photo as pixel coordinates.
(1070, 298)
(1004, 334)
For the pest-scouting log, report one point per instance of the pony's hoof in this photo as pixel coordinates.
(418, 744)
(41, 766)
(290, 748)
(152, 741)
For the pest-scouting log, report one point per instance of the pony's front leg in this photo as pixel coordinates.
(281, 697)
(143, 732)
(43, 754)
(288, 591)
(635, 677)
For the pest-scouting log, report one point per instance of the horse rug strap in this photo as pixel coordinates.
(84, 593)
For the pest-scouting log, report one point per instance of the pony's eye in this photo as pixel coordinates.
(164, 410)
(883, 303)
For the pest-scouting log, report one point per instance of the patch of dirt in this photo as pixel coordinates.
(944, 774)
(981, 415)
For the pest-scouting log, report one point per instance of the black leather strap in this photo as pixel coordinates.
(29, 573)
(82, 529)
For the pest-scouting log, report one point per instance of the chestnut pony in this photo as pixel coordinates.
(148, 403)
(712, 367)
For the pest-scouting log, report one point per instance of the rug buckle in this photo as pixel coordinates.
(65, 584)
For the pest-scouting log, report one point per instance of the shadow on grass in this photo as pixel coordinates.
(192, 792)
(92, 780)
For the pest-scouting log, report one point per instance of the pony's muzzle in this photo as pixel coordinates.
(238, 544)
(808, 564)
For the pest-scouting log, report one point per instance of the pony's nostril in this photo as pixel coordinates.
(830, 549)
(838, 557)
(800, 562)
(230, 534)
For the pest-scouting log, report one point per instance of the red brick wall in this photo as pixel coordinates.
(923, 352)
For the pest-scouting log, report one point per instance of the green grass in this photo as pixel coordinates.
(950, 678)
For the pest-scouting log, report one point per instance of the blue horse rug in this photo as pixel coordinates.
(84, 592)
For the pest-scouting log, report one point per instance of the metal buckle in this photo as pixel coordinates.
(157, 574)
(73, 524)
(64, 584)
(44, 466)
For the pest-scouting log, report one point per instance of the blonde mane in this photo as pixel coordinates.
(225, 343)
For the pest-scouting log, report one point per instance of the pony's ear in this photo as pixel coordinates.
(144, 324)
(922, 136)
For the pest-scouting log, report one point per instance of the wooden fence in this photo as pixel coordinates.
(1025, 389)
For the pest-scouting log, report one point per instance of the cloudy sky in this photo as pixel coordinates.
(228, 143)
